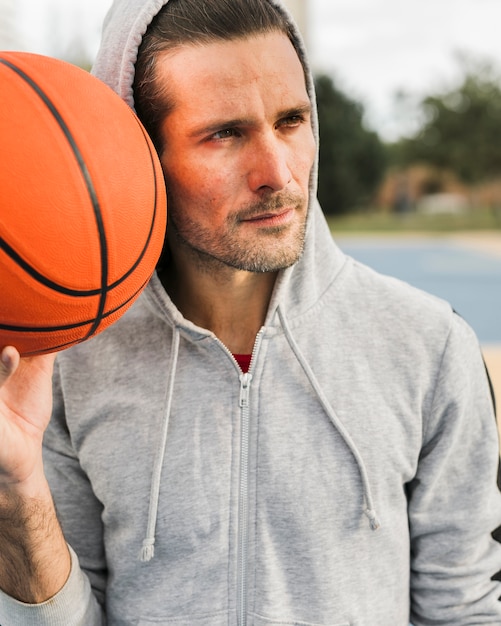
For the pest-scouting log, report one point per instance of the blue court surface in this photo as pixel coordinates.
(470, 279)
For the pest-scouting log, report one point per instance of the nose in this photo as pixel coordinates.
(269, 165)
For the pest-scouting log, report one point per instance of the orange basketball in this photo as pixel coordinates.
(82, 204)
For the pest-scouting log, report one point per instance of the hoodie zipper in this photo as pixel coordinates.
(243, 513)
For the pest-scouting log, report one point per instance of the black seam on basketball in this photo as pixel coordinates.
(154, 216)
(78, 293)
(61, 346)
(90, 189)
(44, 329)
(91, 292)
(48, 329)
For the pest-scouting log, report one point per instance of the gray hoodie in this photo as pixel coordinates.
(349, 479)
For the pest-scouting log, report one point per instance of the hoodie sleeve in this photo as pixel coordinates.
(74, 605)
(79, 602)
(454, 502)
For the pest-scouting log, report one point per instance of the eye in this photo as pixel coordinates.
(225, 133)
(292, 121)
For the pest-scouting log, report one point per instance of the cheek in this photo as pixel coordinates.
(219, 186)
(204, 194)
(305, 149)
(184, 183)
(305, 162)
(197, 177)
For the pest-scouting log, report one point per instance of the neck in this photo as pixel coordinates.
(231, 303)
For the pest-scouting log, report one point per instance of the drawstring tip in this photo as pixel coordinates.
(373, 519)
(147, 551)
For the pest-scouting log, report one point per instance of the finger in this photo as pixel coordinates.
(9, 361)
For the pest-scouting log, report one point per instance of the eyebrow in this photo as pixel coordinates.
(302, 109)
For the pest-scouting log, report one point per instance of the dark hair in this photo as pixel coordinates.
(182, 22)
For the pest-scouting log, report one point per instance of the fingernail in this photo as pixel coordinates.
(6, 359)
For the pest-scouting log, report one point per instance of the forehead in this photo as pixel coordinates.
(240, 73)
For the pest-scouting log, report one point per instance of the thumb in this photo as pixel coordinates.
(9, 361)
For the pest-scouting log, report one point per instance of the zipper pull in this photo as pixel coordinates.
(245, 381)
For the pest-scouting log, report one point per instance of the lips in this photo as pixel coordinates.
(280, 218)
(268, 216)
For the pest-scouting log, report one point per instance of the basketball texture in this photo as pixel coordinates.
(82, 204)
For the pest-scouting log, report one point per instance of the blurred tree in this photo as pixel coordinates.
(352, 159)
(462, 127)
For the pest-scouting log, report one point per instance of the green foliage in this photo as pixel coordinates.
(462, 128)
(352, 158)
(415, 222)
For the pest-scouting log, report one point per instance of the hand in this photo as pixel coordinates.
(25, 408)
(34, 560)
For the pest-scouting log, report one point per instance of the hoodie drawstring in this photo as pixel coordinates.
(148, 547)
(369, 510)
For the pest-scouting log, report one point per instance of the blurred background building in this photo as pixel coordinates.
(9, 35)
(300, 10)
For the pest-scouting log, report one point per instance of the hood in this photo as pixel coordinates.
(124, 27)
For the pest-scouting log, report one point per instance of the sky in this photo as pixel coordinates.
(372, 48)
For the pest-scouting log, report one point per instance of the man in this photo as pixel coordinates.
(273, 434)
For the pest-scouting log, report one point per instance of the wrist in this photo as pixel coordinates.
(34, 561)
(33, 487)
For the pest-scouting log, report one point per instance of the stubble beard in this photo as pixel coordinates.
(274, 248)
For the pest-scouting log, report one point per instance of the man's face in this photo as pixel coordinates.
(238, 151)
